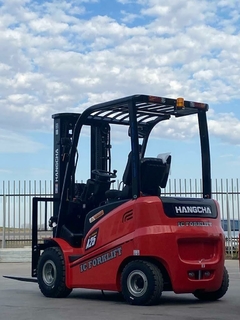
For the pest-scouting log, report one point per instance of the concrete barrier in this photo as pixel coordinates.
(15, 255)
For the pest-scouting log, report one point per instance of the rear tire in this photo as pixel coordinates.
(142, 283)
(51, 274)
(215, 295)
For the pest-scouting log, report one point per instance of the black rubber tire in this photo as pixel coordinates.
(51, 274)
(142, 283)
(215, 295)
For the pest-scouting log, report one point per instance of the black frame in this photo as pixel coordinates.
(141, 113)
(37, 247)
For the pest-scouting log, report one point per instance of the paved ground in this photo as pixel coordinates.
(23, 301)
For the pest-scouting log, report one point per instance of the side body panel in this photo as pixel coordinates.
(141, 229)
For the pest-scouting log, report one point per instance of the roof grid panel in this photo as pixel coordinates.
(148, 119)
(149, 109)
(124, 116)
(150, 113)
(161, 108)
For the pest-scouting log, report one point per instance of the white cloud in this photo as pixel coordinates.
(129, 17)
(230, 155)
(226, 127)
(40, 172)
(56, 59)
(47, 25)
(125, 1)
(5, 171)
(17, 143)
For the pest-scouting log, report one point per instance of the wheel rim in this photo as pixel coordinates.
(49, 273)
(137, 283)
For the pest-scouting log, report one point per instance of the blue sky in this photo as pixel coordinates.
(63, 56)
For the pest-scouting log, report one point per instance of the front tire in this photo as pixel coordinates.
(142, 283)
(51, 274)
(215, 295)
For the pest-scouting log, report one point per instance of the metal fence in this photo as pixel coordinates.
(16, 208)
(16, 213)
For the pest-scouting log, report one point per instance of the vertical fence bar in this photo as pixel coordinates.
(216, 188)
(229, 220)
(175, 187)
(19, 209)
(222, 200)
(35, 190)
(238, 207)
(233, 211)
(238, 211)
(29, 206)
(40, 206)
(229, 227)
(46, 207)
(8, 215)
(14, 205)
(24, 209)
(4, 220)
(195, 187)
(51, 206)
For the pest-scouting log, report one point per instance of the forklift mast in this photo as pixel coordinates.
(100, 147)
(63, 131)
(64, 124)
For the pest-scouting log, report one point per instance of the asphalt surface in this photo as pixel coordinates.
(23, 301)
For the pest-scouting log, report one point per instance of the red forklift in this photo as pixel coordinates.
(134, 240)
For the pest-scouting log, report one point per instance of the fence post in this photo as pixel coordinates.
(4, 220)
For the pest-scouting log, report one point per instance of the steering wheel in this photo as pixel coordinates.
(105, 174)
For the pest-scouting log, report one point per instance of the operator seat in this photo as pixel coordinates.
(154, 175)
(94, 192)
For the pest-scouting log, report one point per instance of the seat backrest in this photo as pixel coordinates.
(87, 191)
(94, 192)
(127, 175)
(154, 174)
(167, 164)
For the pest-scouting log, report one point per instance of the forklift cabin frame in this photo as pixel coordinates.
(141, 113)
